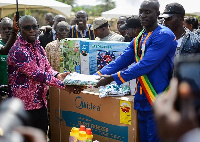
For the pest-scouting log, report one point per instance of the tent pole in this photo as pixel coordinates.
(1, 12)
(25, 10)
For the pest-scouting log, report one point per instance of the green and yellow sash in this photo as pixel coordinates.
(144, 81)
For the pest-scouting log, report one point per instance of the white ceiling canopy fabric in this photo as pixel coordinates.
(131, 7)
(9, 6)
(123, 8)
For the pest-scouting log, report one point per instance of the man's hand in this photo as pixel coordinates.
(104, 80)
(61, 76)
(173, 123)
(15, 24)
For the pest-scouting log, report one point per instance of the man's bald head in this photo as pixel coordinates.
(26, 18)
(57, 19)
(58, 16)
(81, 11)
(49, 19)
(155, 3)
(6, 20)
(6, 26)
(49, 14)
(62, 23)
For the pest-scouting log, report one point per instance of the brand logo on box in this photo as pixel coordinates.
(102, 46)
(81, 104)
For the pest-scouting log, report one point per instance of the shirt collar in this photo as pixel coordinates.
(53, 31)
(1, 42)
(187, 32)
(24, 42)
(86, 28)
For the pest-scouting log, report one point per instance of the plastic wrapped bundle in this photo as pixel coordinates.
(114, 90)
(81, 79)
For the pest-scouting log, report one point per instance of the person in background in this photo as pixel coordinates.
(50, 34)
(153, 52)
(177, 125)
(45, 37)
(29, 73)
(73, 22)
(192, 24)
(9, 30)
(53, 48)
(49, 19)
(57, 19)
(121, 20)
(53, 53)
(102, 31)
(81, 29)
(49, 24)
(6, 27)
(188, 42)
(132, 26)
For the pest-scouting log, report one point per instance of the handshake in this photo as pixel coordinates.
(76, 82)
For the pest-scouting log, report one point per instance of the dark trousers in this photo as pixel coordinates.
(147, 126)
(39, 119)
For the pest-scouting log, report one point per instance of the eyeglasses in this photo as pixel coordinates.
(29, 27)
(63, 29)
(8, 28)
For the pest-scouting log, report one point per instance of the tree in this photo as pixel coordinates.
(69, 2)
(96, 10)
(107, 5)
(91, 10)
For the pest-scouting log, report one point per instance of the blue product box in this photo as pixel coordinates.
(95, 55)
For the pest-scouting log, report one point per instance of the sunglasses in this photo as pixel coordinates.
(29, 27)
(63, 29)
(169, 18)
(81, 17)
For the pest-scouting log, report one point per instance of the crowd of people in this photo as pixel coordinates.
(30, 62)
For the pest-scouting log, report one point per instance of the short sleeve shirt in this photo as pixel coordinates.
(111, 37)
(3, 67)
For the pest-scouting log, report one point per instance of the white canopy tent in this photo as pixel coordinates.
(9, 6)
(117, 12)
(190, 6)
(123, 8)
(131, 7)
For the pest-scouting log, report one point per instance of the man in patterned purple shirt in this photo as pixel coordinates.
(29, 73)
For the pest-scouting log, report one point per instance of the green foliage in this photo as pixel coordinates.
(70, 2)
(107, 5)
(91, 10)
(96, 10)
